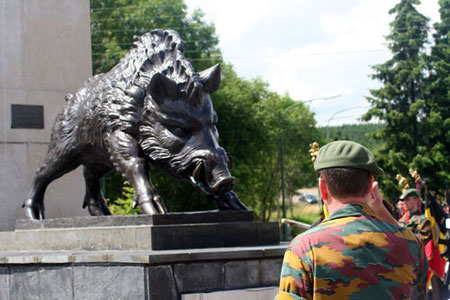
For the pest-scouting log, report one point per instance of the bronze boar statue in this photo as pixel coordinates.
(151, 110)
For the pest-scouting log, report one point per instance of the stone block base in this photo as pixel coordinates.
(216, 273)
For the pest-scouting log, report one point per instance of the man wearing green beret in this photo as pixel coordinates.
(415, 219)
(359, 251)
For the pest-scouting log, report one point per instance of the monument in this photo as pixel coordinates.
(151, 109)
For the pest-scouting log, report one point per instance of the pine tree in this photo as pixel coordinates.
(400, 101)
(433, 158)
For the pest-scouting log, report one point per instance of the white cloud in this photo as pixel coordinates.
(308, 48)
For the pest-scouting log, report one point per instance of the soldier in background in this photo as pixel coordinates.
(359, 251)
(416, 221)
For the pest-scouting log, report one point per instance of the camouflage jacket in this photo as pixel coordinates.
(353, 255)
(418, 224)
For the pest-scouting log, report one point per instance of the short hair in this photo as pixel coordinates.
(346, 182)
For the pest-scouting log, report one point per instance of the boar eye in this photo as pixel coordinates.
(180, 132)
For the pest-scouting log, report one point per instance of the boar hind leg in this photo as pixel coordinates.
(94, 199)
(57, 163)
(127, 156)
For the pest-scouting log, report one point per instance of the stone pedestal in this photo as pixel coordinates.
(201, 255)
(142, 232)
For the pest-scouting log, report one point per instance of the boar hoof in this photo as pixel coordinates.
(95, 210)
(155, 207)
(148, 208)
(230, 201)
(33, 210)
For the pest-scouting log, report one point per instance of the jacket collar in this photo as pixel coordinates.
(353, 209)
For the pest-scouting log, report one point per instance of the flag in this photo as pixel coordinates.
(437, 216)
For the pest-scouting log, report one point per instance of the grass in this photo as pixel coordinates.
(306, 213)
(302, 212)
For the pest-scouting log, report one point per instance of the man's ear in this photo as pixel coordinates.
(323, 189)
(370, 187)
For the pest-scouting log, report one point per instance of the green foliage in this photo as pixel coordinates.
(414, 99)
(124, 205)
(113, 185)
(115, 24)
(360, 133)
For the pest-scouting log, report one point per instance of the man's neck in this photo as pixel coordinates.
(380, 210)
(337, 203)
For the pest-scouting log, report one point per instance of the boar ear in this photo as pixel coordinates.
(161, 87)
(210, 79)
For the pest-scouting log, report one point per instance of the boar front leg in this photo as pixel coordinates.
(127, 156)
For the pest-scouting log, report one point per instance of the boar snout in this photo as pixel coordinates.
(214, 178)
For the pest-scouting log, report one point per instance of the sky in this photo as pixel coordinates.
(310, 49)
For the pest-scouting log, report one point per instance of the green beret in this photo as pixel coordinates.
(408, 193)
(347, 154)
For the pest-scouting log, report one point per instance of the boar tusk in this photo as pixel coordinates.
(199, 185)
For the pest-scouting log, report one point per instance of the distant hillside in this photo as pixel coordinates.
(360, 133)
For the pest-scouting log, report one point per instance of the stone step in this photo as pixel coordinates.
(135, 220)
(142, 237)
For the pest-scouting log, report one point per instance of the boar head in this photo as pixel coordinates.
(179, 135)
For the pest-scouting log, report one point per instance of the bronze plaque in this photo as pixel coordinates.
(27, 116)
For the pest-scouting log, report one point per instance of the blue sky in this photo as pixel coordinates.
(308, 48)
